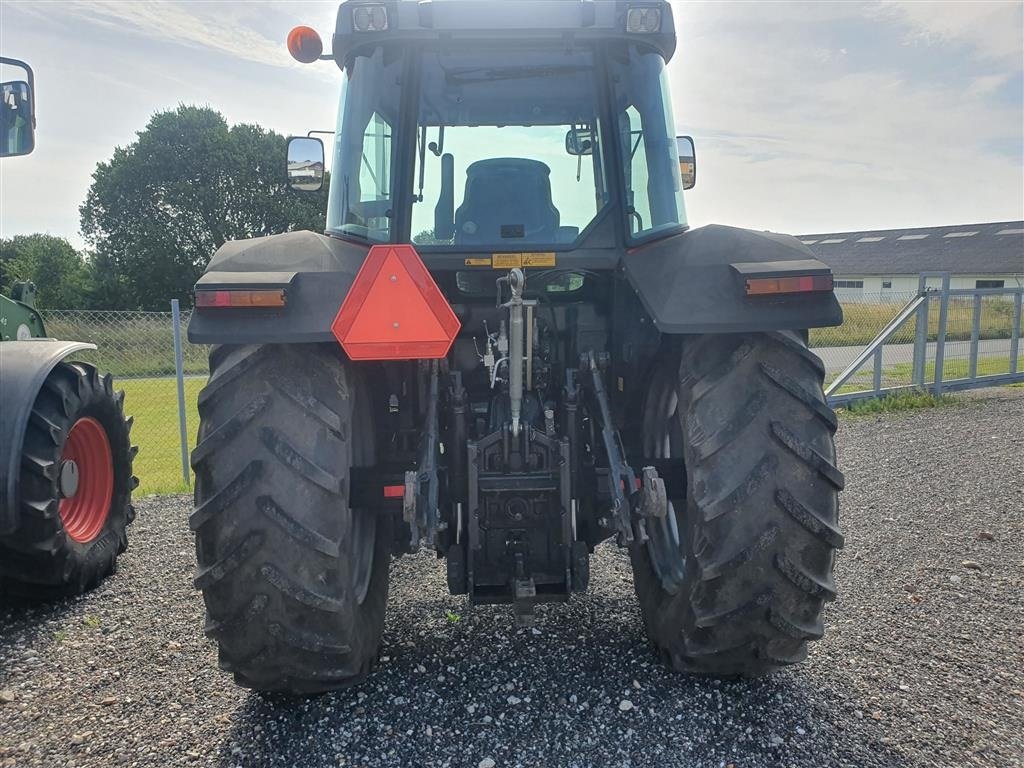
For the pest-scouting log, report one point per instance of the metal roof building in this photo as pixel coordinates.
(876, 262)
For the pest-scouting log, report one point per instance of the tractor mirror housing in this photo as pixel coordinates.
(17, 108)
(687, 161)
(305, 164)
(579, 141)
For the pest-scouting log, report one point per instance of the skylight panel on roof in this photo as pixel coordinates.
(961, 234)
(1010, 232)
(808, 242)
(833, 241)
(912, 237)
(871, 240)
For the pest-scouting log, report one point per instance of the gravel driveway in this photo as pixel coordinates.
(922, 664)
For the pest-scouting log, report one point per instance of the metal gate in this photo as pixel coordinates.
(953, 349)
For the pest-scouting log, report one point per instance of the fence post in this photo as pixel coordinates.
(975, 335)
(940, 342)
(179, 371)
(1015, 333)
(877, 375)
(921, 341)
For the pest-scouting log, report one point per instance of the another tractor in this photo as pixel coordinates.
(508, 347)
(65, 451)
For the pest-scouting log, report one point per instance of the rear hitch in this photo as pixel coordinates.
(420, 507)
(633, 501)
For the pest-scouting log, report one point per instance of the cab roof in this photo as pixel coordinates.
(528, 21)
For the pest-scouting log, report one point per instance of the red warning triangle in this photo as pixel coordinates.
(394, 310)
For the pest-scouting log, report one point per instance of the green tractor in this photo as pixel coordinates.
(508, 347)
(65, 451)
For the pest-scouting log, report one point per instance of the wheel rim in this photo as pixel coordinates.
(663, 440)
(85, 511)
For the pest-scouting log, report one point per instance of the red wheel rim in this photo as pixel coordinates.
(85, 513)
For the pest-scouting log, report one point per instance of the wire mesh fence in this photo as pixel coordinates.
(138, 349)
(950, 336)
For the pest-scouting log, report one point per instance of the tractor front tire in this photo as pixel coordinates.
(734, 584)
(74, 488)
(295, 581)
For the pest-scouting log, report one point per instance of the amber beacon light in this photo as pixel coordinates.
(305, 45)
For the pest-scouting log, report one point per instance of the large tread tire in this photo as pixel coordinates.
(39, 560)
(291, 600)
(758, 529)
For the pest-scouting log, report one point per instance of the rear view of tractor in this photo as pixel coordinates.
(65, 452)
(509, 347)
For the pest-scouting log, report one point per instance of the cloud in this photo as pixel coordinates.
(991, 29)
(802, 135)
(224, 28)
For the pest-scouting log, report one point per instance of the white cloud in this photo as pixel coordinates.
(225, 28)
(995, 30)
(794, 140)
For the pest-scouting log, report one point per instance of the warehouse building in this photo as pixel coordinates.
(871, 265)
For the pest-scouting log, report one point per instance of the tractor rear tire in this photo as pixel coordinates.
(734, 584)
(295, 581)
(74, 489)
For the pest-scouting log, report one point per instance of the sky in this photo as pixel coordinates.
(808, 117)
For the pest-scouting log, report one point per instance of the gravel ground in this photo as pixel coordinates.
(921, 665)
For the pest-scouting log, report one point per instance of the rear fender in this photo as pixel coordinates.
(315, 272)
(694, 282)
(24, 366)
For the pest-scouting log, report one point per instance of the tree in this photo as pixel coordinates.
(63, 278)
(160, 207)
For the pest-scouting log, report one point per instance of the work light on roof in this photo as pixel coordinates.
(370, 18)
(643, 21)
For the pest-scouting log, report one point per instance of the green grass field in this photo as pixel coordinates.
(154, 405)
(862, 322)
(901, 374)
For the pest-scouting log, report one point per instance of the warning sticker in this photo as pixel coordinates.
(538, 259)
(506, 260)
(513, 260)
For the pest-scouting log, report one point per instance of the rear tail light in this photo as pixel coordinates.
(776, 286)
(235, 299)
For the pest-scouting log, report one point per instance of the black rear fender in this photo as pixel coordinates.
(315, 272)
(695, 282)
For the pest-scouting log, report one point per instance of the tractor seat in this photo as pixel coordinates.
(507, 200)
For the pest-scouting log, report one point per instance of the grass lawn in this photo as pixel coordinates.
(900, 374)
(900, 401)
(862, 322)
(154, 405)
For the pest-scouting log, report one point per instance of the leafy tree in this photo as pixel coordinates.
(160, 207)
(63, 279)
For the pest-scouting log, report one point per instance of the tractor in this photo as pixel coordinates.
(66, 463)
(508, 347)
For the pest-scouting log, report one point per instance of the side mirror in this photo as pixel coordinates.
(687, 161)
(17, 108)
(580, 141)
(305, 164)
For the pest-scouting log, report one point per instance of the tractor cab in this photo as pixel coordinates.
(463, 128)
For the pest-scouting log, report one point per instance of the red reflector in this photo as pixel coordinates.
(394, 310)
(218, 299)
(394, 491)
(767, 286)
